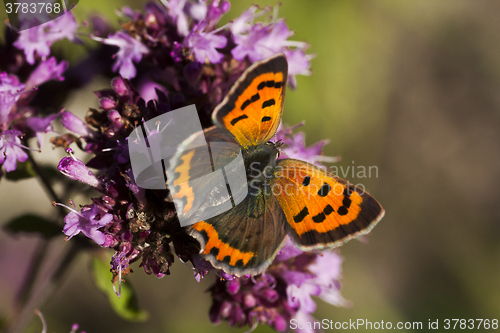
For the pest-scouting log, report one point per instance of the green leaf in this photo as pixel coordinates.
(127, 305)
(31, 223)
(23, 170)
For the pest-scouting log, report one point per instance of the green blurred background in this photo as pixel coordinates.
(412, 87)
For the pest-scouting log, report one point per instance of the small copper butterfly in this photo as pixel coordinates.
(285, 197)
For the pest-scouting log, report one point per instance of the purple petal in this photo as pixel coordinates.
(39, 38)
(130, 49)
(75, 124)
(10, 150)
(38, 124)
(204, 44)
(96, 235)
(77, 170)
(72, 224)
(10, 89)
(46, 71)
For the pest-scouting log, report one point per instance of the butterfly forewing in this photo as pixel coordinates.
(253, 108)
(322, 209)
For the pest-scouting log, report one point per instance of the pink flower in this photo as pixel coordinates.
(130, 51)
(41, 125)
(261, 42)
(39, 38)
(85, 222)
(46, 71)
(204, 44)
(295, 146)
(11, 150)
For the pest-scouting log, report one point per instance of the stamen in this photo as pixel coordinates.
(328, 159)
(119, 293)
(222, 28)
(166, 125)
(185, 263)
(294, 43)
(44, 323)
(254, 326)
(275, 11)
(26, 147)
(264, 11)
(70, 152)
(71, 209)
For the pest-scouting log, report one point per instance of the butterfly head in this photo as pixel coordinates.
(261, 162)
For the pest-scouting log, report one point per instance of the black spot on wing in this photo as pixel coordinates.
(245, 104)
(323, 191)
(342, 210)
(346, 202)
(269, 102)
(306, 181)
(214, 251)
(239, 263)
(328, 210)
(227, 259)
(269, 84)
(235, 120)
(266, 118)
(255, 97)
(301, 216)
(319, 218)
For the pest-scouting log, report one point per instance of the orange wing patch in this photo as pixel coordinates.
(257, 111)
(322, 210)
(183, 191)
(214, 246)
(252, 110)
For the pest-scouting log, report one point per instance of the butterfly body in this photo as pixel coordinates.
(285, 196)
(260, 162)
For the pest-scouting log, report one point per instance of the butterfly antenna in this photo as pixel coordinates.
(282, 151)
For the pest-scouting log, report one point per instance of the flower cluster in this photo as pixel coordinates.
(170, 55)
(280, 294)
(19, 120)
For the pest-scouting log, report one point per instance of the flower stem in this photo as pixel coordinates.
(29, 279)
(46, 290)
(45, 182)
(25, 301)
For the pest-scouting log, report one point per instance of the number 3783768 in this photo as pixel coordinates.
(33, 7)
(470, 324)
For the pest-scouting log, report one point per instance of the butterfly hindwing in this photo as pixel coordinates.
(245, 239)
(252, 109)
(322, 209)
